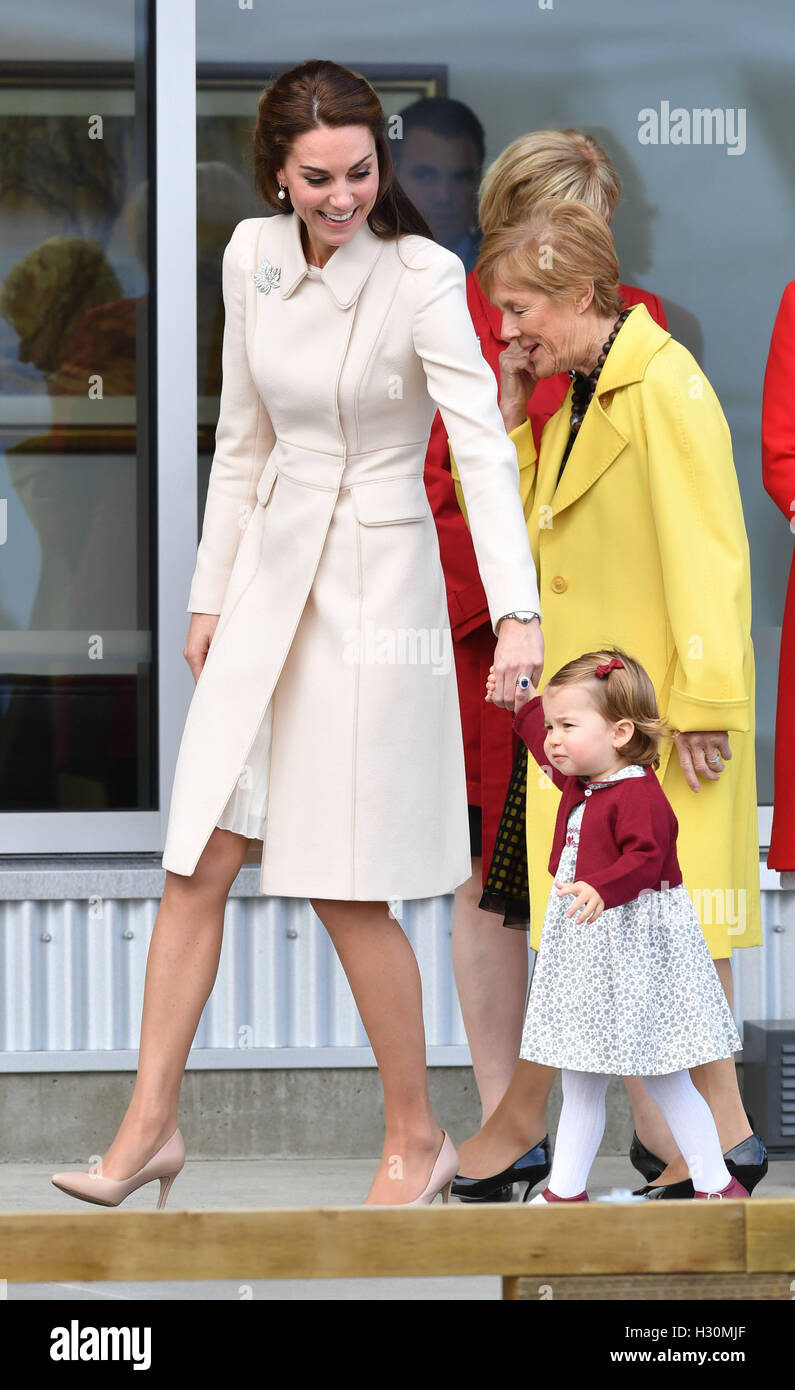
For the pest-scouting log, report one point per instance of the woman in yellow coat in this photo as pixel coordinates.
(639, 542)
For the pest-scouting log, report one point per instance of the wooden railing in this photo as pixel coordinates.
(673, 1250)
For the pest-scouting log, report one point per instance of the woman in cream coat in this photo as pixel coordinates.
(325, 715)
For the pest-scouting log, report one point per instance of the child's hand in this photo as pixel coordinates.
(587, 901)
(522, 696)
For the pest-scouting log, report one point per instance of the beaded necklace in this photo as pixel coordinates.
(584, 386)
(582, 395)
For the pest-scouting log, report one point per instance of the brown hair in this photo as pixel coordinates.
(321, 93)
(621, 694)
(558, 249)
(548, 164)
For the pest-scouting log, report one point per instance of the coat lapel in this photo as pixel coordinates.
(598, 444)
(600, 441)
(346, 270)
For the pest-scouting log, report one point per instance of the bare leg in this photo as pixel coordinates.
(180, 972)
(490, 965)
(384, 976)
(651, 1126)
(517, 1124)
(717, 1082)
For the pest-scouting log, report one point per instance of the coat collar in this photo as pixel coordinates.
(345, 272)
(600, 440)
(490, 312)
(635, 345)
(597, 784)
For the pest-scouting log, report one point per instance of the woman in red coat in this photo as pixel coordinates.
(778, 476)
(490, 963)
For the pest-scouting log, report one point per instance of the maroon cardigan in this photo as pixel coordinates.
(628, 835)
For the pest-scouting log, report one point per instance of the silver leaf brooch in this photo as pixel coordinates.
(266, 276)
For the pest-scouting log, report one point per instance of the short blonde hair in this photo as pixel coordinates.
(548, 164)
(558, 250)
(625, 693)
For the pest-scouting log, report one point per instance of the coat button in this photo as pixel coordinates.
(558, 584)
(588, 792)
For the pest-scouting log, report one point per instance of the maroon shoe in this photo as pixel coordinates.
(550, 1196)
(732, 1189)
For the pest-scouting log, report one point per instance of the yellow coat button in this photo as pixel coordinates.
(558, 585)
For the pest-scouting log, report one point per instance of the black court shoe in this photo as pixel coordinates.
(747, 1162)
(650, 1166)
(532, 1168)
(499, 1194)
(644, 1160)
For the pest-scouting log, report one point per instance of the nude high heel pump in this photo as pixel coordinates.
(441, 1179)
(166, 1164)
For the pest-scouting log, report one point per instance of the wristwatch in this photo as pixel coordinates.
(523, 615)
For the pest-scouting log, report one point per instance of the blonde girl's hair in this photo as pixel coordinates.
(547, 164)
(558, 249)
(622, 694)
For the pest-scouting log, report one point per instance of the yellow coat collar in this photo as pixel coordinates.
(638, 340)
(345, 272)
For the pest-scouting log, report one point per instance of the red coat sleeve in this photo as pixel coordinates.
(466, 598)
(778, 411)
(642, 834)
(529, 724)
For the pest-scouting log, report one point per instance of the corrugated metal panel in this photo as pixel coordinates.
(72, 977)
(764, 980)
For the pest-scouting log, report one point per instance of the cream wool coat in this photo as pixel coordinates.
(643, 546)
(325, 719)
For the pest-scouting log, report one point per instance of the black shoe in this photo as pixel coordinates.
(644, 1160)
(669, 1191)
(500, 1194)
(747, 1162)
(651, 1166)
(532, 1168)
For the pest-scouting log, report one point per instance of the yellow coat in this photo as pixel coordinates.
(644, 547)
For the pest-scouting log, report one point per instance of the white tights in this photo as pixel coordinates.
(582, 1124)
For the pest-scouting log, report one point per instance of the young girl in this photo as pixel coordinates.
(624, 984)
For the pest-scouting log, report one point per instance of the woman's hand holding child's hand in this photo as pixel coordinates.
(522, 696)
(587, 901)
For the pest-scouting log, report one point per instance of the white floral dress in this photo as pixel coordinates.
(634, 993)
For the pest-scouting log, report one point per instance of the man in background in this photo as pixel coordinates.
(439, 161)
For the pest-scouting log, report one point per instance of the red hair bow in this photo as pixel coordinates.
(612, 665)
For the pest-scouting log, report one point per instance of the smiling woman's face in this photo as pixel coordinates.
(332, 178)
(551, 329)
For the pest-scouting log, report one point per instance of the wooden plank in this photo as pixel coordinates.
(360, 1242)
(770, 1234)
(647, 1287)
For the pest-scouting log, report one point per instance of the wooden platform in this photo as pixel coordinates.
(681, 1250)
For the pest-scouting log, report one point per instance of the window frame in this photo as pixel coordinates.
(167, 65)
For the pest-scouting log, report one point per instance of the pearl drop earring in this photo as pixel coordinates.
(281, 191)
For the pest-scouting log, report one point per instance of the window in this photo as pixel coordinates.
(78, 708)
